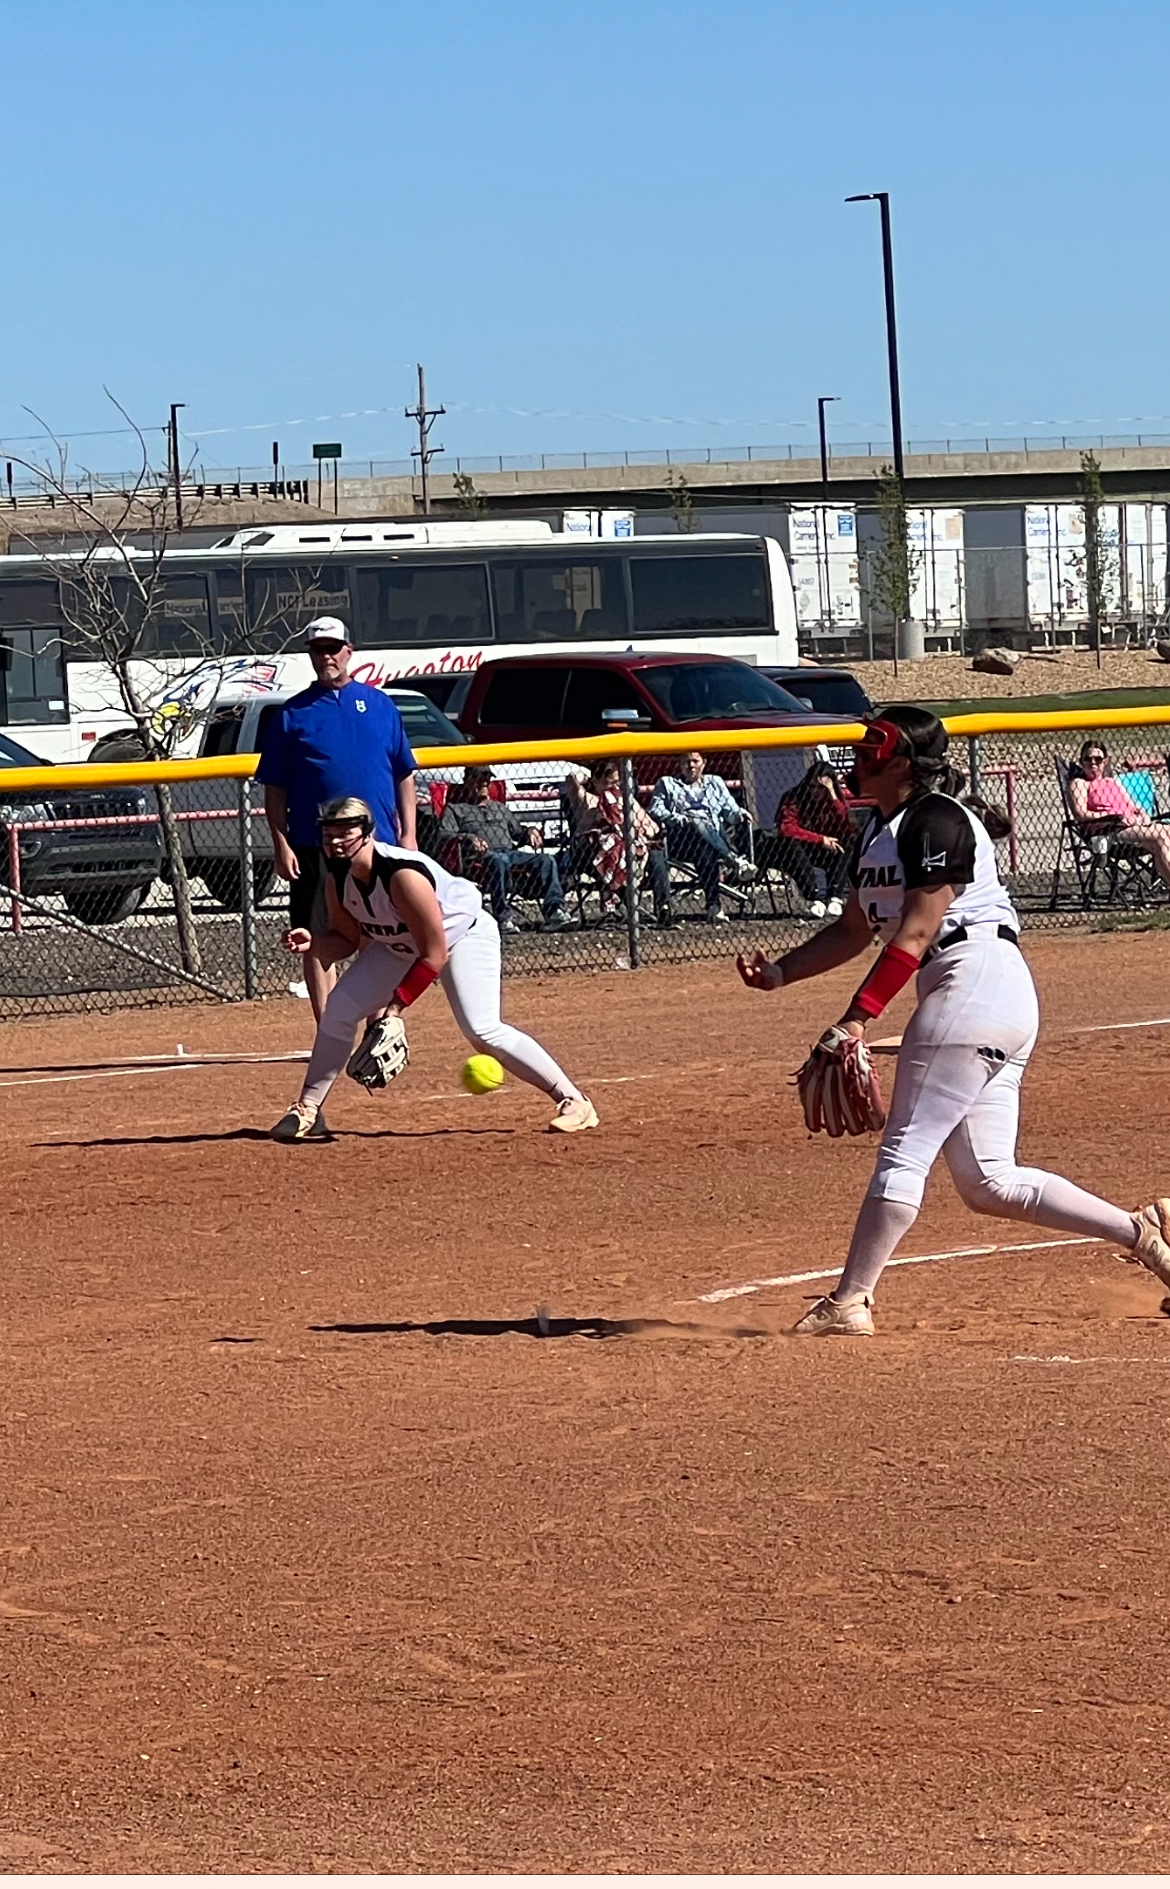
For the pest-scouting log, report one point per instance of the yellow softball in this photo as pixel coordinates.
(481, 1074)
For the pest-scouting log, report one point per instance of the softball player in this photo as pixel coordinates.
(925, 882)
(418, 923)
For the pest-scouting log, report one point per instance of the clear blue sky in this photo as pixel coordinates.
(614, 224)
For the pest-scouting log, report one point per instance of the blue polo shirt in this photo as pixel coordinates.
(330, 742)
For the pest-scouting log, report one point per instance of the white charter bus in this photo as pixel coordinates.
(420, 599)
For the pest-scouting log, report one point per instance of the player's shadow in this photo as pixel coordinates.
(262, 1134)
(547, 1328)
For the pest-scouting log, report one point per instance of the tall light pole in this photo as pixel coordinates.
(823, 401)
(176, 467)
(882, 199)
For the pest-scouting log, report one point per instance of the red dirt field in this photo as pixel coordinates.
(316, 1557)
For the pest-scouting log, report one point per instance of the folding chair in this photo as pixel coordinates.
(1110, 869)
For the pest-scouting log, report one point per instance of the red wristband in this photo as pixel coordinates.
(420, 977)
(893, 969)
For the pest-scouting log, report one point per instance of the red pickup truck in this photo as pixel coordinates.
(541, 698)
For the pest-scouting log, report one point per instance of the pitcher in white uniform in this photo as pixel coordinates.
(926, 884)
(411, 923)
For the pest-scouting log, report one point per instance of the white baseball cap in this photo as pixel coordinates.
(326, 630)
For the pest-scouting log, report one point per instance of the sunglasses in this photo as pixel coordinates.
(1094, 757)
(327, 649)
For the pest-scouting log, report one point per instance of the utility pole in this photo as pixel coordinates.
(425, 418)
(176, 468)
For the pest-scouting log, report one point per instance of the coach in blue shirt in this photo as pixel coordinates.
(335, 738)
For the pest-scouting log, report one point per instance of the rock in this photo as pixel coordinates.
(996, 662)
(1162, 647)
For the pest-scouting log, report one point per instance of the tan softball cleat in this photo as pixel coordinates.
(1153, 1248)
(828, 1319)
(575, 1113)
(303, 1122)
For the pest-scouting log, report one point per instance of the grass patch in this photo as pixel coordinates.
(1051, 704)
(1135, 921)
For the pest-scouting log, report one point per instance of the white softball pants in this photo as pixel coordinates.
(957, 1092)
(472, 981)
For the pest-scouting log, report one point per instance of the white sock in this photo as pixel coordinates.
(880, 1225)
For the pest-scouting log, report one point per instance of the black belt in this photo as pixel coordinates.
(959, 936)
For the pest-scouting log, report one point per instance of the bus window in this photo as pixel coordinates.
(555, 600)
(32, 677)
(676, 596)
(229, 590)
(400, 604)
(281, 599)
(180, 622)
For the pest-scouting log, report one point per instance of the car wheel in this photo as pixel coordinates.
(224, 880)
(105, 904)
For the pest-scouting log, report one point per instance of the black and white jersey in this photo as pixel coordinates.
(932, 840)
(373, 909)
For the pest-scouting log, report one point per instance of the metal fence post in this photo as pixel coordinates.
(626, 771)
(247, 890)
(14, 875)
(973, 764)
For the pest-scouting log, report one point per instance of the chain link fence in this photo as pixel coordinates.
(633, 865)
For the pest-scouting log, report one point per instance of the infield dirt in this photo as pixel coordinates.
(317, 1557)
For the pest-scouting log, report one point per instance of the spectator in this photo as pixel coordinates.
(812, 822)
(1102, 805)
(497, 843)
(336, 737)
(597, 833)
(704, 824)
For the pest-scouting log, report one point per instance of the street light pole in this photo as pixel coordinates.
(882, 199)
(823, 401)
(176, 470)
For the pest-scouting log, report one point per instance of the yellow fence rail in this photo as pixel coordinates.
(593, 747)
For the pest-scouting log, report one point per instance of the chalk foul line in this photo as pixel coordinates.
(907, 1259)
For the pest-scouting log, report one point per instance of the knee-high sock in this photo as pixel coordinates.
(880, 1225)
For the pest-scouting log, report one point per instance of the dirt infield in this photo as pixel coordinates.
(317, 1557)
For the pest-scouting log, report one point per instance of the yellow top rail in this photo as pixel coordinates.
(593, 747)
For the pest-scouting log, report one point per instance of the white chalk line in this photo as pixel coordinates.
(1089, 1029)
(149, 1066)
(908, 1259)
(1060, 1357)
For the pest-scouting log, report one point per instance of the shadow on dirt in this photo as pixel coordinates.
(262, 1134)
(550, 1328)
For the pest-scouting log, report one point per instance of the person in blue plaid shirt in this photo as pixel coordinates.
(704, 824)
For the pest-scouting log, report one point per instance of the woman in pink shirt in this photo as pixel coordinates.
(1102, 805)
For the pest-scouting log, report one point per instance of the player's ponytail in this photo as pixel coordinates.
(926, 742)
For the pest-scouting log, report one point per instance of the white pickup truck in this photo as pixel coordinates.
(235, 722)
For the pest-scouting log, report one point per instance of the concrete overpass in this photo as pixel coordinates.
(1032, 474)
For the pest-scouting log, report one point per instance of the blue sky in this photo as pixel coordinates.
(609, 225)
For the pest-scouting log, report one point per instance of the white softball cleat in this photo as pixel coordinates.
(1153, 1248)
(828, 1319)
(575, 1113)
(303, 1122)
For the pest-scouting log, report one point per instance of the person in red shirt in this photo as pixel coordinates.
(815, 834)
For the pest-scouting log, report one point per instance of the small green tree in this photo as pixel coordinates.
(895, 564)
(469, 500)
(1099, 565)
(682, 504)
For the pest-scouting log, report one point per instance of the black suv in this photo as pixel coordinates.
(103, 873)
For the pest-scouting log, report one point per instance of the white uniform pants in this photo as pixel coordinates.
(471, 979)
(957, 1092)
